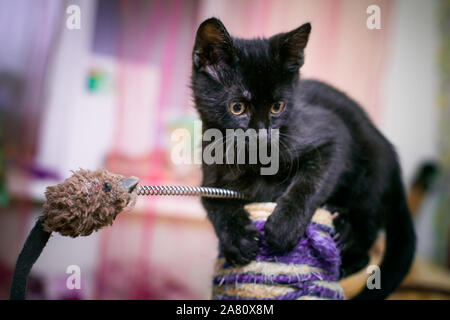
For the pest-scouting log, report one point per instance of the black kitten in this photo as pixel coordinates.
(330, 153)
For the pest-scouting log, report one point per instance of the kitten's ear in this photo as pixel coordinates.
(213, 44)
(292, 45)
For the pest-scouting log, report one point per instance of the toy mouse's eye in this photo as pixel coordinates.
(107, 186)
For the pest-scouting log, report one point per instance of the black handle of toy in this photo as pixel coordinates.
(35, 243)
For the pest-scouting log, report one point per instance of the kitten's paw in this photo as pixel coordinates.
(282, 233)
(240, 246)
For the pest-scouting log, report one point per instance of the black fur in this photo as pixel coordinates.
(330, 154)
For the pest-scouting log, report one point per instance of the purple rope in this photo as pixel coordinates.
(278, 279)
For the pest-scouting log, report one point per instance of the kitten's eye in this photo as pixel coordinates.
(277, 107)
(237, 108)
(107, 186)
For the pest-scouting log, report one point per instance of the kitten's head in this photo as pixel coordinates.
(245, 84)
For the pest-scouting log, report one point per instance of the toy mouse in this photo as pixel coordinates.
(83, 203)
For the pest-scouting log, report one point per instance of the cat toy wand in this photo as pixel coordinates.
(87, 202)
(189, 191)
(91, 200)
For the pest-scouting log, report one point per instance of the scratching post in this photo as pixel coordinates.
(309, 271)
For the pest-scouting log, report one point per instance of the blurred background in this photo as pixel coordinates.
(109, 93)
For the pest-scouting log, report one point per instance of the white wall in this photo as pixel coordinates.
(410, 91)
(75, 130)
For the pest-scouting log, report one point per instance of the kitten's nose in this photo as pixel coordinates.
(258, 124)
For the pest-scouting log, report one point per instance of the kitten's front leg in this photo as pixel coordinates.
(238, 237)
(286, 224)
(295, 208)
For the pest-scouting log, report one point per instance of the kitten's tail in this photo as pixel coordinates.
(400, 248)
(35, 243)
